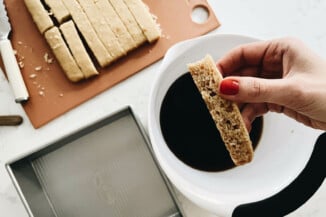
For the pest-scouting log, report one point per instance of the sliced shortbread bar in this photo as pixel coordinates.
(112, 18)
(129, 21)
(85, 27)
(144, 19)
(63, 55)
(58, 9)
(77, 49)
(225, 113)
(102, 29)
(39, 14)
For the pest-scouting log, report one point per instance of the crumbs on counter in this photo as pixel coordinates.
(32, 76)
(21, 64)
(47, 58)
(38, 68)
(20, 59)
(166, 36)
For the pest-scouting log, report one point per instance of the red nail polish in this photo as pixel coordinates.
(229, 87)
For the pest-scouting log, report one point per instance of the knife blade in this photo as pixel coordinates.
(9, 60)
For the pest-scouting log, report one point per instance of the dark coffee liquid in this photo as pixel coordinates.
(190, 131)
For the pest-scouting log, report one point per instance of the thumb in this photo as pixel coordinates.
(255, 90)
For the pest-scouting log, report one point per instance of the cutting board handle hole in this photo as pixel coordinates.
(200, 14)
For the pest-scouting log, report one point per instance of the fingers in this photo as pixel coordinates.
(298, 117)
(245, 55)
(305, 119)
(251, 111)
(256, 90)
(263, 56)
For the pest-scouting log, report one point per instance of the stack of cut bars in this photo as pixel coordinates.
(108, 28)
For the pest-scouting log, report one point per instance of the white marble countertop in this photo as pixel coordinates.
(261, 19)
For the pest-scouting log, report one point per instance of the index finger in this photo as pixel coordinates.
(246, 55)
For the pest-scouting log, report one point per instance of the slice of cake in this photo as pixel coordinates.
(58, 9)
(102, 29)
(114, 21)
(225, 113)
(77, 49)
(129, 21)
(63, 55)
(86, 29)
(39, 14)
(144, 19)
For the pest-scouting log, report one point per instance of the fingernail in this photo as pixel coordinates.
(229, 87)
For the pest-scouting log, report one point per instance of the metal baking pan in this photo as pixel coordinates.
(105, 169)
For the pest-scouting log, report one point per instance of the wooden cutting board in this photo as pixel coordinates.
(52, 94)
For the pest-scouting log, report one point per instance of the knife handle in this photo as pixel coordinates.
(13, 72)
(10, 120)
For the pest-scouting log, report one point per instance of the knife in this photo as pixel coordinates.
(9, 60)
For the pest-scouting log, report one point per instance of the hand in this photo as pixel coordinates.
(280, 75)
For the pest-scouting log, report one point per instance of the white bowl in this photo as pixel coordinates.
(283, 151)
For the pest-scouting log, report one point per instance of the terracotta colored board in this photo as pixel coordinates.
(52, 94)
